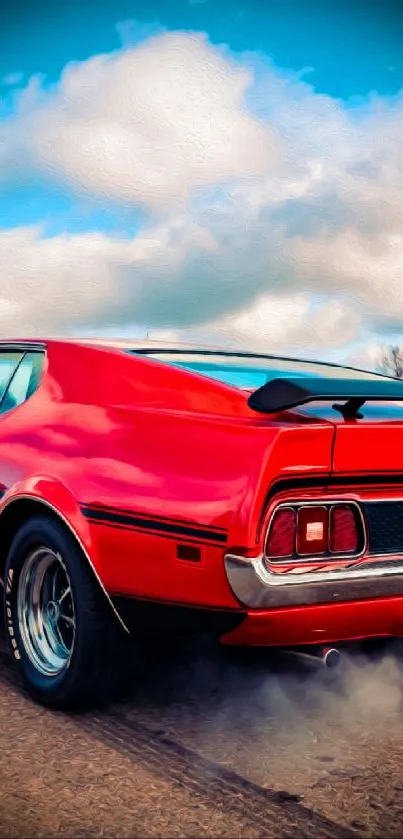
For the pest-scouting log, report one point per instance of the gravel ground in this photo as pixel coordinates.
(338, 744)
(58, 780)
(215, 745)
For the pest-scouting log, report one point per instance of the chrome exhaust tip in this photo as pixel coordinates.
(331, 657)
(327, 657)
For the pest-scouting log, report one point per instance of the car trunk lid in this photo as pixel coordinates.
(367, 415)
(373, 443)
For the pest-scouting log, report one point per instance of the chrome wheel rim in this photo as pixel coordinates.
(46, 612)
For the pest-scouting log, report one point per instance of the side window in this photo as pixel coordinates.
(8, 365)
(24, 381)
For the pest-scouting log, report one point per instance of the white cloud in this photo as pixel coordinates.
(276, 323)
(284, 322)
(260, 194)
(62, 282)
(147, 125)
(45, 282)
(70, 282)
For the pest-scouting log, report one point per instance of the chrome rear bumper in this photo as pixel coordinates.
(256, 587)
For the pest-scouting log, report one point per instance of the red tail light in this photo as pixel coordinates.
(281, 541)
(301, 531)
(344, 536)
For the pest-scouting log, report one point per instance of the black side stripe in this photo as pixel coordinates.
(190, 540)
(106, 508)
(139, 522)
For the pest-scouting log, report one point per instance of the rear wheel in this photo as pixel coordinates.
(64, 637)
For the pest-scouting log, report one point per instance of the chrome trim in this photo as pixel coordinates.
(318, 558)
(60, 515)
(382, 500)
(327, 657)
(257, 587)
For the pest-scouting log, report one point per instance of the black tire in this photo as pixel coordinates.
(94, 671)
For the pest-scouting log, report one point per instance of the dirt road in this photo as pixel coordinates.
(215, 745)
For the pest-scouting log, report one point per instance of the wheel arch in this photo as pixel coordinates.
(17, 508)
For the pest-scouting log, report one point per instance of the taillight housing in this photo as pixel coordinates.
(282, 535)
(315, 531)
(343, 532)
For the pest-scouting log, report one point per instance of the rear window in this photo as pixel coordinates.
(251, 372)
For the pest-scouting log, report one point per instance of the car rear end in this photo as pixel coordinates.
(330, 562)
(324, 559)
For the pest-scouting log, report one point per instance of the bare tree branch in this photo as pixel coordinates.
(391, 361)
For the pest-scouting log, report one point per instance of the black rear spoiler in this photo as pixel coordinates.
(281, 394)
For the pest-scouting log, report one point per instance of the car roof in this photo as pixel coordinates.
(147, 345)
(115, 343)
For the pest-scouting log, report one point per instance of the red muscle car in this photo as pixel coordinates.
(165, 489)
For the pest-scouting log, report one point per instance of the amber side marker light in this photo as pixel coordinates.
(313, 530)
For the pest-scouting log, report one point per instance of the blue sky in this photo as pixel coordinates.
(347, 50)
(339, 64)
(353, 48)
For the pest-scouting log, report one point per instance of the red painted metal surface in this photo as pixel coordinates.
(325, 623)
(140, 457)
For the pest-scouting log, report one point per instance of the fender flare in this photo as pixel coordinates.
(56, 497)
